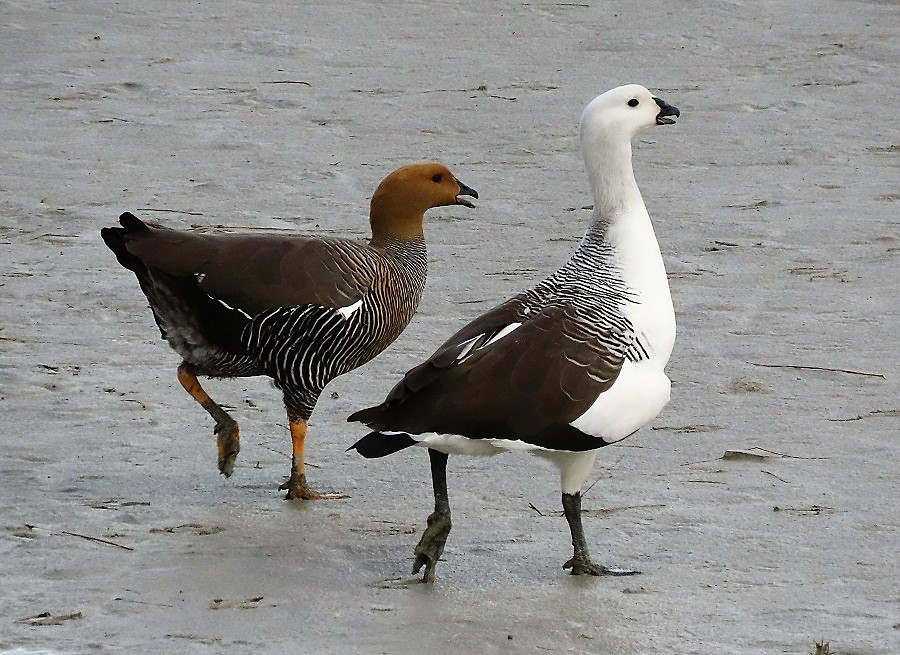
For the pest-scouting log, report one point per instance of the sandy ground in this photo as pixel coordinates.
(775, 203)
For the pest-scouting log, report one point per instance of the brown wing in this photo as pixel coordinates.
(256, 272)
(543, 374)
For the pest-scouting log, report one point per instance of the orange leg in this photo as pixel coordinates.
(296, 485)
(226, 429)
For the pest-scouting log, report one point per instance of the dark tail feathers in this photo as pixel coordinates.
(115, 239)
(132, 223)
(379, 444)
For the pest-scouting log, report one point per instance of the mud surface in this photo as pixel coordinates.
(775, 204)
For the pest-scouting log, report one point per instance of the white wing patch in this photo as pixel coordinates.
(467, 347)
(472, 344)
(502, 333)
(349, 310)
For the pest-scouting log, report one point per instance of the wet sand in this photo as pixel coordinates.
(775, 204)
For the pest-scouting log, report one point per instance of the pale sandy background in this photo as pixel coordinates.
(775, 201)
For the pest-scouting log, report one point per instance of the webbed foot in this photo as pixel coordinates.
(228, 439)
(298, 489)
(582, 566)
(431, 545)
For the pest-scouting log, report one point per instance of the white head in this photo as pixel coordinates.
(622, 112)
(607, 126)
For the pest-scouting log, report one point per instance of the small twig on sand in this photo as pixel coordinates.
(820, 368)
(591, 485)
(874, 412)
(701, 461)
(775, 452)
(83, 536)
(744, 450)
(594, 512)
(288, 82)
(274, 450)
(171, 211)
(776, 477)
(97, 539)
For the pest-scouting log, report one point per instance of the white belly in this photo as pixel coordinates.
(636, 398)
(454, 444)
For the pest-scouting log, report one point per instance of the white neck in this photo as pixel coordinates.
(621, 220)
(612, 177)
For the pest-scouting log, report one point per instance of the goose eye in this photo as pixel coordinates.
(436, 177)
(634, 102)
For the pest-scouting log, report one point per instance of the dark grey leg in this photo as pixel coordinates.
(581, 563)
(431, 545)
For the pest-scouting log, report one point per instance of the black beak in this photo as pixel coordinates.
(665, 110)
(465, 191)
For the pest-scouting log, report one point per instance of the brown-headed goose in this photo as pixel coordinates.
(299, 309)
